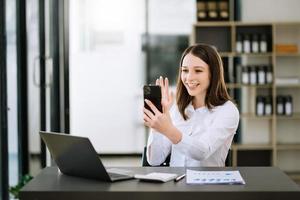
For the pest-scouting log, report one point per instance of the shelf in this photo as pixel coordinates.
(285, 64)
(234, 54)
(252, 24)
(288, 86)
(287, 23)
(251, 147)
(295, 175)
(254, 116)
(254, 54)
(294, 116)
(237, 85)
(233, 23)
(287, 54)
(214, 24)
(288, 146)
(226, 54)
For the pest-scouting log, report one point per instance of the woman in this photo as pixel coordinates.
(199, 129)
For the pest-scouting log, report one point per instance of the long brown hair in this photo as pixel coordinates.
(216, 93)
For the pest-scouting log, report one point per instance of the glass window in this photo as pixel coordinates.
(32, 22)
(107, 73)
(170, 25)
(12, 92)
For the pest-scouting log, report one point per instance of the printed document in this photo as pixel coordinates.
(214, 177)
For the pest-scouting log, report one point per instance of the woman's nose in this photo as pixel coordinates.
(190, 76)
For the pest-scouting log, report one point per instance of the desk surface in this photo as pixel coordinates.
(261, 183)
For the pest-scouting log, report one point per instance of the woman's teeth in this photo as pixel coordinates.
(192, 85)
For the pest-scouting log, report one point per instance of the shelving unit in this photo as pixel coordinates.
(274, 139)
(287, 127)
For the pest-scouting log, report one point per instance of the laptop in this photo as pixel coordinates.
(76, 156)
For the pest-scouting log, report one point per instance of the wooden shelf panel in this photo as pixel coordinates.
(287, 24)
(288, 146)
(226, 54)
(254, 116)
(253, 24)
(234, 54)
(233, 23)
(295, 116)
(288, 86)
(237, 85)
(214, 24)
(295, 175)
(269, 54)
(251, 147)
(287, 54)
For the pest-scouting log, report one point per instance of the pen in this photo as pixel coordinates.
(178, 178)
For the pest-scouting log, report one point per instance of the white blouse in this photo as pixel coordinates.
(206, 137)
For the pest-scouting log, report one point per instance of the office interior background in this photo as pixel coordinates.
(78, 67)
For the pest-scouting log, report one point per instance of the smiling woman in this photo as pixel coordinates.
(199, 128)
(208, 72)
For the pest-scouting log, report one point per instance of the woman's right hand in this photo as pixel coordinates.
(167, 97)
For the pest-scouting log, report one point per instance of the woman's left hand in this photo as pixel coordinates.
(161, 122)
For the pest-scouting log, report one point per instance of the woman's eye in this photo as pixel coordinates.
(184, 70)
(198, 71)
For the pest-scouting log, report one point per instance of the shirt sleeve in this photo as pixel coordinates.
(218, 133)
(158, 148)
(158, 145)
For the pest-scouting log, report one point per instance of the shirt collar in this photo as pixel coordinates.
(189, 110)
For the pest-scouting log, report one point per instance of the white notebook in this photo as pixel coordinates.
(156, 176)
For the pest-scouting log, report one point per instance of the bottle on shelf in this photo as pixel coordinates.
(261, 75)
(263, 43)
(268, 105)
(254, 43)
(269, 74)
(238, 71)
(212, 10)
(253, 75)
(288, 105)
(239, 43)
(246, 44)
(280, 105)
(201, 10)
(260, 105)
(224, 9)
(245, 75)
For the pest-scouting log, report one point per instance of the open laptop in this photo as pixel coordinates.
(76, 156)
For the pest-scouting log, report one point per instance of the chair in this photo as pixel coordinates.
(166, 163)
(228, 161)
(145, 163)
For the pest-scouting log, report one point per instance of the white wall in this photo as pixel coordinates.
(171, 16)
(107, 74)
(270, 10)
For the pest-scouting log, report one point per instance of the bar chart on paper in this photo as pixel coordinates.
(214, 177)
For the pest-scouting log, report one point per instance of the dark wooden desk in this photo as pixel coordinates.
(261, 183)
